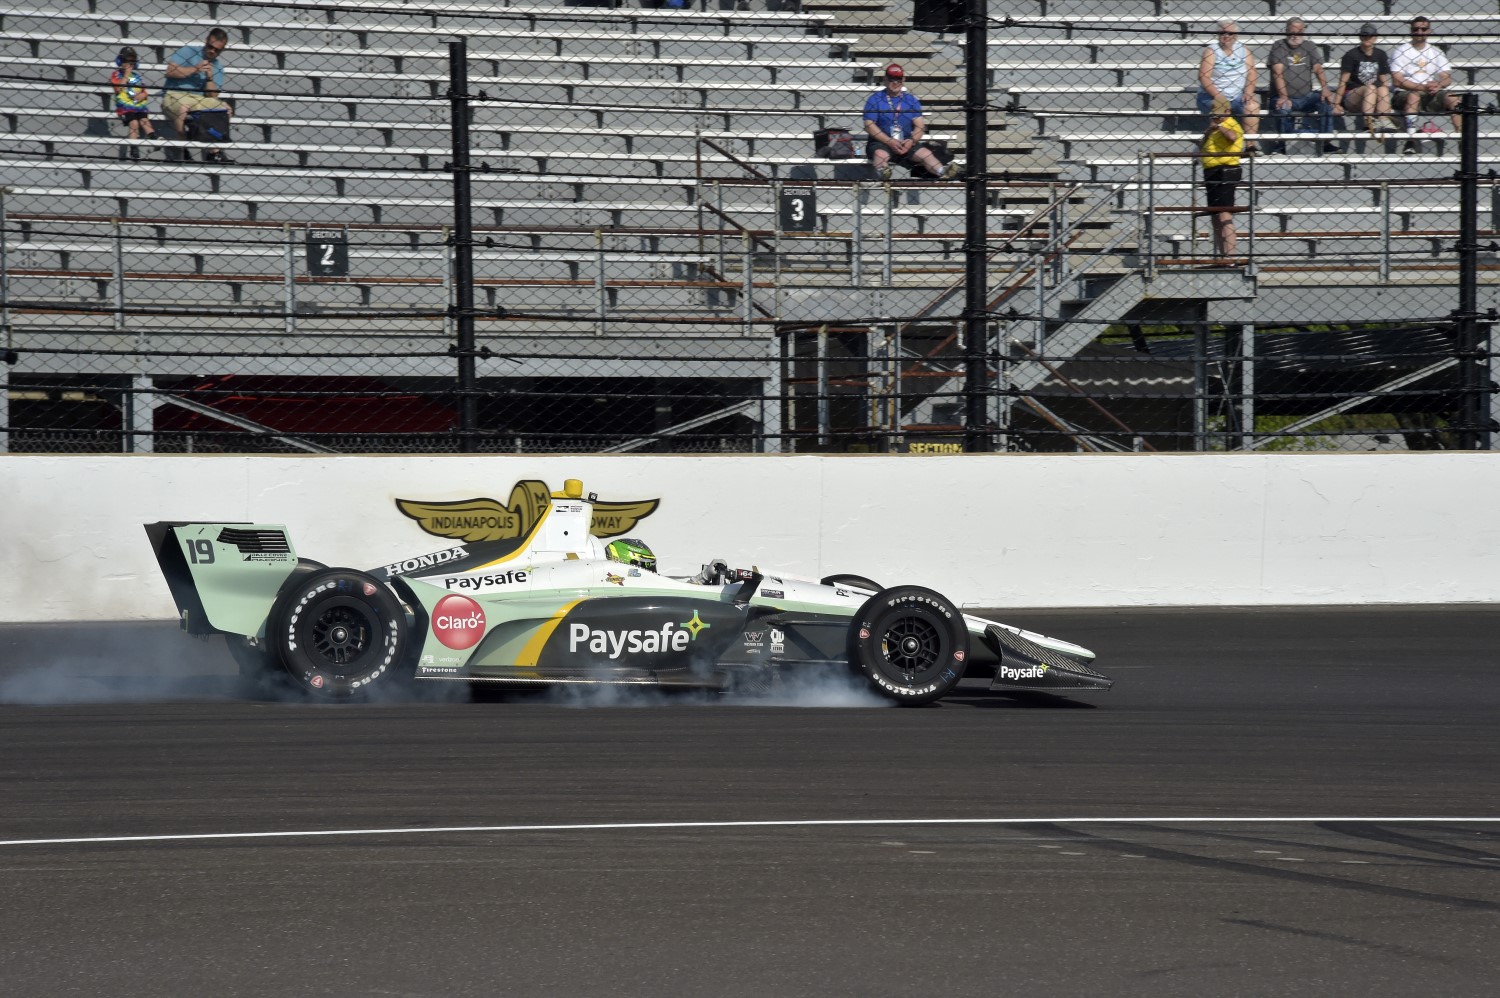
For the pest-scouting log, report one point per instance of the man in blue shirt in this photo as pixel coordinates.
(894, 124)
(194, 77)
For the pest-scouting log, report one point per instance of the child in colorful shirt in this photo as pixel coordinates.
(132, 99)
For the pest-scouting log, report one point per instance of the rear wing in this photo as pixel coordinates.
(223, 576)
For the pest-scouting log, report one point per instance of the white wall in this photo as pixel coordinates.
(987, 530)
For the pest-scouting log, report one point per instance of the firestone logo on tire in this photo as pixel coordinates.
(458, 621)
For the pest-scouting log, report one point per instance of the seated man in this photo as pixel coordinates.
(894, 123)
(1298, 87)
(194, 78)
(1421, 74)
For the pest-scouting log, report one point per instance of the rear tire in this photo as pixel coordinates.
(910, 643)
(339, 634)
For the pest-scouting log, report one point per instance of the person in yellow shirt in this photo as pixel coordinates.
(1221, 147)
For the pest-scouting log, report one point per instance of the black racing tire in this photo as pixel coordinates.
(340, 634)
(857, 581)
(910, 643)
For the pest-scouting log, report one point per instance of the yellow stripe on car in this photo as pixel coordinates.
(533, 649)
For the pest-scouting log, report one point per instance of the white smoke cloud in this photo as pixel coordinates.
(794, 686)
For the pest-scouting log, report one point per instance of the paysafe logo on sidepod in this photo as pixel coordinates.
(636, 640)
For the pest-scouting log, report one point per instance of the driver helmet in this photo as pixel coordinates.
(630, 551)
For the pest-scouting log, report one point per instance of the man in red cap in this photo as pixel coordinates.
(894, 124)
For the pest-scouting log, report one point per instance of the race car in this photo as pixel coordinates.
(559, 605)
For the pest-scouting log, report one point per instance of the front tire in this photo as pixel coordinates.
(339, 634)
(910, 643)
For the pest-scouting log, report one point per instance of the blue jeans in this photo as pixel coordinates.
(1305, 106)
(1236, 105)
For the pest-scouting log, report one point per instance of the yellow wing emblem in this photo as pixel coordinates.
(475, 520)
(614, 518)
(468, 520)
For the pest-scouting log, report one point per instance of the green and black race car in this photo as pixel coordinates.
(559, 605)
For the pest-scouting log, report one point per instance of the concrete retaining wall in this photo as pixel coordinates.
(986, 530)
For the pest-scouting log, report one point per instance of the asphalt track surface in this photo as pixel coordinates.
(1233, 716)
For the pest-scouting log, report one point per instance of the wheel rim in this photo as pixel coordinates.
(912, 646)
(341, 634)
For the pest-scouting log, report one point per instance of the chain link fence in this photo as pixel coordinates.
(713, 227)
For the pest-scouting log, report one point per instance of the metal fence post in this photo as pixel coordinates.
(4, 274)
(823, 384)
(888, 268)
(463, 244)
(1474, 433)
(1247, 387)
(977, 431)
(1385, 232)
(719, 216)
(775, 190)
(898, 386)
(1040, 277)
(600, 293)
(142, 414)
(1150, 219)
(747, 279)
(1054, 227)
(447, 281)
(117, 271)
(289, 280)
(1250, 218)
(772, 405)
(5, 330)
(1063, 266)
(1200, 386)
(858, 235)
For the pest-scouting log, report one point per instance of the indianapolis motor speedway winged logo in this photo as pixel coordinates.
(477, 520)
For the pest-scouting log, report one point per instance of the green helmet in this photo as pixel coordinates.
(630, 551)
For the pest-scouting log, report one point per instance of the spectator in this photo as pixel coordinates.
(895, 126)
(1295, 63)
(1421, 73)
(132, 99)
(1365, 80)
(1226, 71)
(1221, 146)
(194, 78)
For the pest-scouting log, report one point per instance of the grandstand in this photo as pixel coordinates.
(626, 210)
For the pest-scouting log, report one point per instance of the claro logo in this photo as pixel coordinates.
(458, 621)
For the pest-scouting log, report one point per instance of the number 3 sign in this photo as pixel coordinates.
(799, 209)
(328, 252)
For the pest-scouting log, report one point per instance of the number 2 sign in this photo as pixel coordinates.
(328, 252)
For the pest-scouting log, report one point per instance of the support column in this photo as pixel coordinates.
(1474, 427)
(463, 242)
(976, 228)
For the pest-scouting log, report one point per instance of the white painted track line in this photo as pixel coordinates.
(682, 825)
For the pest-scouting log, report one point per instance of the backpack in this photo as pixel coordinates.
(834, 143)
(207, 126)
